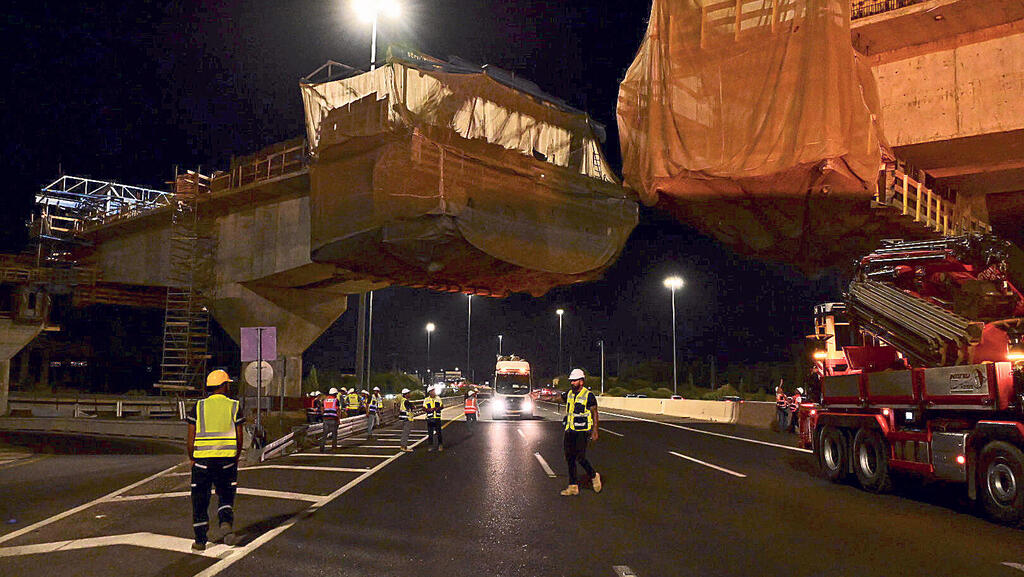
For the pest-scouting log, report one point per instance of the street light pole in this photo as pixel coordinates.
(499, 345)
(373, 44)
(430, 329)
(674, 283)
(469, 326)
(560, 312)
(601, 342)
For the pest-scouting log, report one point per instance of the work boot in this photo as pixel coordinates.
(197, 546)
(597, 482)
(229, 537)
(571, 490)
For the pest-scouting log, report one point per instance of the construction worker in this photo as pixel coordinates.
(373, 408)
(433, 406)
(311, 403)
(792, 408)
(330, 420)
(405, 416)
(214, 445)
(352, 403)
(580, 427)
(471, 408)
(780, 406)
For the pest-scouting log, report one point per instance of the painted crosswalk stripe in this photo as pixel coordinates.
(544, 465)
(241, 491)
(308, 468)
(148, 540)
(706, 464)
(358, 456)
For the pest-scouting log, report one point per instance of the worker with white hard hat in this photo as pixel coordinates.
(580, 428)
(405, 416)
(374, 405)
(471, 407)
(330, 404)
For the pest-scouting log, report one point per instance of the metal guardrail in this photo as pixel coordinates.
(79, 407)
(864, 8)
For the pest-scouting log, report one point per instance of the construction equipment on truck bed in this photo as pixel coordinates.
(937, 387)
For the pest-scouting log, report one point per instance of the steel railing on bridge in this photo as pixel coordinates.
(864, 8)
(914, 199)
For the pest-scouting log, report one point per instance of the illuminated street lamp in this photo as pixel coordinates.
(499, 345)
(560, 312)
(370, 11)
(674, 283)
(430, 329)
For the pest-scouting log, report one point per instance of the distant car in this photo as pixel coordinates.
(676, 397)
(630, 395)
(640, 396)
(733, 398)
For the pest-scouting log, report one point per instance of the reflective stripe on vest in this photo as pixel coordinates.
(404, 413)
(375, 404)
(433, 407)
(331, 407)
(471, 405)
(353, 402)
(578, 416)
(215, 427)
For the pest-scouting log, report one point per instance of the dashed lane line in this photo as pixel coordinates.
(521, 433)
(713, 434)
(357, 456)
(1012, 565)
(623, 571)
(544, 465)
(148, 540)
(611, 432)
(83, 506)
(711, 465)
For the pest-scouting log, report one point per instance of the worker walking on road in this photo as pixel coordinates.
(330, 420)
(471, 408)
(214, 445)
(580, 427)
(433, 407)
(373, 407)
(405, 416)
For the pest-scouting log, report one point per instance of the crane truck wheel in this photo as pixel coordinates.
(833, 454)
(871, 461)
(1001, 482)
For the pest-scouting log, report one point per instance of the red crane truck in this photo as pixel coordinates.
(936, 386)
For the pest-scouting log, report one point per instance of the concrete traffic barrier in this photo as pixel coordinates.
(166, 431)
(751, 413)
(756, 414)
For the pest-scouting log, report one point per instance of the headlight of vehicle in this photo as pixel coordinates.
(527, 404)
(498, 403)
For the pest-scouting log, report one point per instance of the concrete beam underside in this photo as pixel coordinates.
(13, 337)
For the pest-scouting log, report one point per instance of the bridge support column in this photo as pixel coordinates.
(13, 337)
(300, 315)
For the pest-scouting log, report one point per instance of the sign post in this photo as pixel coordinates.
(259, 343)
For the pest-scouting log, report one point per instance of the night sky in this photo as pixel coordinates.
(126, 91)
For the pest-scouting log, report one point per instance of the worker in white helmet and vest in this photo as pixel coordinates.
(405, 414)
(373, 407)
(580, 428)
(432, 406)
(330, 420)
(214, 444)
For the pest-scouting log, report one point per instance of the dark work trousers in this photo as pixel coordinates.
(434, 432)
(221, 473)
(575, 445)
(330, 428)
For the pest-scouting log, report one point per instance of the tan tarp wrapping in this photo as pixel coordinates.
(740, 115)
(457, 181)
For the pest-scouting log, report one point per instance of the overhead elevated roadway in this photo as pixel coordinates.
(680, 498)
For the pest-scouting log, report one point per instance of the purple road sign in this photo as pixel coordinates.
(251, 337)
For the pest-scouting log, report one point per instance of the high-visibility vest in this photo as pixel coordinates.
(215, 428)
(375, 403)
(794, 402)
(433, 406)
(330, 407)
(404, 410)
(471, 405)
(577, 416)
(353, 401)
(780, 400)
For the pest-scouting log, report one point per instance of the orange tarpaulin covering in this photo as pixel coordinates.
(750, 118)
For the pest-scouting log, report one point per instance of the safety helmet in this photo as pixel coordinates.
(800, 390)
(365, 392)
(217, 378)
(405, 391)
(576, 375)
(333, 391)
(317, 393)
(472, 392)
(376, 389)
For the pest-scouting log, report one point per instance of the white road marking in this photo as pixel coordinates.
(521, 434)
(363, 456)
(308, 468)
(376, 447)
(239, 553)
(692, 430)
(544, 465)
(83, 506)
(241, 491)
(1012, 565)
(706, 464)
(611, 432)
(623, 571)
(149, 540)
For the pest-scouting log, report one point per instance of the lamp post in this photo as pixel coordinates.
(370, 11)
(499, 345)
(430, 329)
(601, 343)
(674, 283)
(469, 325)
(560, 312)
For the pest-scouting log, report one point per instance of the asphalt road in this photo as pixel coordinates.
(680, 498)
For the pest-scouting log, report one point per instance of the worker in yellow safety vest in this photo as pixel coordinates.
(433, 406)
(214, 444)
(374, 405)
(352, 403)
(405, 416)
(580, 427)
